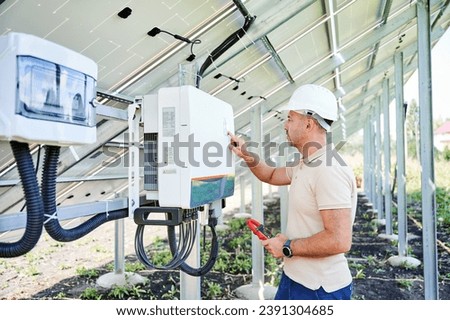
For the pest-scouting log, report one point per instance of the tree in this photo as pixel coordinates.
(412, 130)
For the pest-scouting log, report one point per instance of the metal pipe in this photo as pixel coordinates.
(257, 203)
(401, 168)
(426, 151)
(387, 158)
(379, 173)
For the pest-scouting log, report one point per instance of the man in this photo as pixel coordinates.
(322, 201)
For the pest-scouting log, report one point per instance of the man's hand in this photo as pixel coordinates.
(237, 145)
(275, 245)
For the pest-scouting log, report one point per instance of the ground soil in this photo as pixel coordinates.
(55, 271)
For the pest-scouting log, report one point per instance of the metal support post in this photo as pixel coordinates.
(119, 246)
(373, 186)
(387, 159)
(283, 190)
(401, 259)
(366, 153)
(426, 152)
(379, 171)
(401, 168)
(190, 286)
(257, 290)
(242, 187)
(257, 203)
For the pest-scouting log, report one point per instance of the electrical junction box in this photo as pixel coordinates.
(187, 162)
(46, 92)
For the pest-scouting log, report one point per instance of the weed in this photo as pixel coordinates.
(372, 261)
(360, 274)
(119, 292)
(137, 291)
(408, 266)
(241, 264)
(237, 224)
(134, 266)
(213, 289)
(172, 294)
(88, 273)
(223, 261)
(33, 271)
(405, 283)
(64, 267)
(90, 294)
(60, 296)
(161, 258)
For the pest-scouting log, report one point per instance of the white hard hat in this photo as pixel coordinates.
(315, 99)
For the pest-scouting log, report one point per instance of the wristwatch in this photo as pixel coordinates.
(287, 251)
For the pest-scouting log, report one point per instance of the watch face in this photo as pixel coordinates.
(287, 251)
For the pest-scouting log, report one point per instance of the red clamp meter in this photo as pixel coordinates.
(257, 229)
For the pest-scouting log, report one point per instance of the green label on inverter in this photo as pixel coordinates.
(204, 191)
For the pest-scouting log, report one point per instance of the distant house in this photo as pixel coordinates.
(442, 136)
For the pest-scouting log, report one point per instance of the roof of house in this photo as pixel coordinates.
(445, 128)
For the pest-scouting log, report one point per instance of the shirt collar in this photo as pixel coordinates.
(318, 153)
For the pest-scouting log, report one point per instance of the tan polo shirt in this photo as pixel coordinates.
(323, 181)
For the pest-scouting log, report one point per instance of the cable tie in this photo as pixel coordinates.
(107, 208)
(53, 216)
(247, 36)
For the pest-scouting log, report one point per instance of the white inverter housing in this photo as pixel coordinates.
(46, 92)
(187, 162)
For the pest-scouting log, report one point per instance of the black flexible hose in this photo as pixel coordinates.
(224, 46)
(35, 208)
(51, 224)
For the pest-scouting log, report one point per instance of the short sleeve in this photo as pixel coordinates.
(334, 188)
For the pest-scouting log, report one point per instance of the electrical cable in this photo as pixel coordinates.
(35, 207)
(48, 191)
(213, 254)
(225, 45)
(184, 245)
(38, 160)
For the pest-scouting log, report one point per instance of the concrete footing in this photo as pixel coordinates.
(111, 279)
(255, 292)
(399, 261)
(388, 236)
(243, 215)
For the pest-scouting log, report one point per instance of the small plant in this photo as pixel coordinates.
(371, 260)
(172, 294)
(213, 290)
(408, 266)
(64, 267)
(405, 283)
(359, 270)
(134, 266)
(136, 291)
(88, 273)
(161, 258)
(241, 264)
(360, 274)
(118, 292)
(237, 224)
(33, 271)
(273, 269)
(223, 261)
(60, 296)
(90, 294)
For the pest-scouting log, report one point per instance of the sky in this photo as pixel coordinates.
(440, 72)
